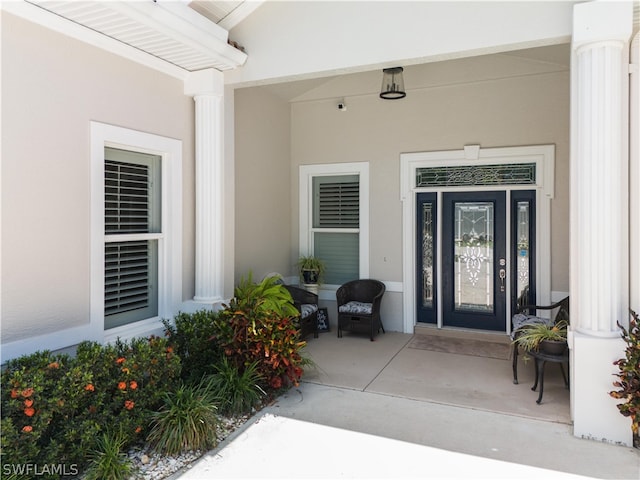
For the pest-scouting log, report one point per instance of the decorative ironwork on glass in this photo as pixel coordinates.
(473, 258)
(523, 246)
(474, 224)
(511, 174)
(427, 254)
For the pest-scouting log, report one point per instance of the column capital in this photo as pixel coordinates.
(602, 21)
(204, 82)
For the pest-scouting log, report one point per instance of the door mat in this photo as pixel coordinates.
(461, 346)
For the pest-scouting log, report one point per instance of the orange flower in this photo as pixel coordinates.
(29, 412)
(27, 428)
(133, 385)
(28, 402)
(15, 393)
(138, 429)
(276, 382)
(27, 392)
(129, 404)
(54, 365)
(169, 349)
(120, 360)
(89, 387)
(122, 386)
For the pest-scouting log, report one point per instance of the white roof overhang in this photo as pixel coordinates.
(165, 35)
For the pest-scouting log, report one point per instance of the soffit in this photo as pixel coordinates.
(175, 32)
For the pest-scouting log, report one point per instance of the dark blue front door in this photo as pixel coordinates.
(474, 266)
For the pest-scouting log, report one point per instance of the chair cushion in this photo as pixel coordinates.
(356, 307)
(520, 320)
(307, 309)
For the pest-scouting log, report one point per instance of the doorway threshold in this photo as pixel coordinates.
(456, 332)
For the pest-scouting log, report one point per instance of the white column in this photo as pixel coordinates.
(599, 214)
(207, 89)
(634, 177)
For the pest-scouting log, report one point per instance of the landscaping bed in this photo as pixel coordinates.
(147, 407)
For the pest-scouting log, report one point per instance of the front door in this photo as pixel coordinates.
(464, 275)
(474, 261)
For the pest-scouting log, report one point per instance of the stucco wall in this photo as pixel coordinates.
(510, 112)
(263, 200)
(529, 110)
(52, 87)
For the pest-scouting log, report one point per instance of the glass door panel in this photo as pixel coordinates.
(473, 256)
(522, 250)
(474, 260)
(426, 258)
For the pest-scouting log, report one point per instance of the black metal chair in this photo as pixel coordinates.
(525, 315)
(359, 306)
(307, 304)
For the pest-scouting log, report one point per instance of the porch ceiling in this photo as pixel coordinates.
(194, 35)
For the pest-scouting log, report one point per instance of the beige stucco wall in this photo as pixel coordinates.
(52, 87)
(509, 112)
(529, 110)
(263, 233)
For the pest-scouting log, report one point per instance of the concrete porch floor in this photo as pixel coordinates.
(440, 401)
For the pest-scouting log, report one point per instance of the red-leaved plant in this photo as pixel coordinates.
(259, 326)
(628, 382)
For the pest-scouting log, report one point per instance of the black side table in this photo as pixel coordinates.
(541, 360)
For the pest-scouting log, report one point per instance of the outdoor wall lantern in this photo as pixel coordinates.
(392, 84)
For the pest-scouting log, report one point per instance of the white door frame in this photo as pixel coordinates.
(544, 158)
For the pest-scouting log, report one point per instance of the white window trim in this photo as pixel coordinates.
(307, 172)
(544, 158)
(169, 242)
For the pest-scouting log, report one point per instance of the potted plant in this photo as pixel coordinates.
(311, 269)
(550, 339)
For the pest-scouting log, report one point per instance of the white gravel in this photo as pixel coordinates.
(150, 465)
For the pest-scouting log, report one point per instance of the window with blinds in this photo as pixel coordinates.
(132, 230)
(336, 226)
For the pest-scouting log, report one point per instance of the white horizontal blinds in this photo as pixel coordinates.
(132, 224)
(336, 226)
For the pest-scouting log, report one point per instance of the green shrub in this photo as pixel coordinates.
(186, 421)
(54, 407)
(628, 382)
(193, 337)
(259, 326)
(129, 381)
(42, 394)
(109, 461)
(237, 392)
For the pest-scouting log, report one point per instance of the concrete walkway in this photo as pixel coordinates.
(383, 410)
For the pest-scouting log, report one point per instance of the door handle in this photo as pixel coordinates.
(502, 274)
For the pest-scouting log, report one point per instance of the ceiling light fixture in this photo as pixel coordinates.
(392, 84)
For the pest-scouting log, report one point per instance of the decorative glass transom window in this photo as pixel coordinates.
(511, 174)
